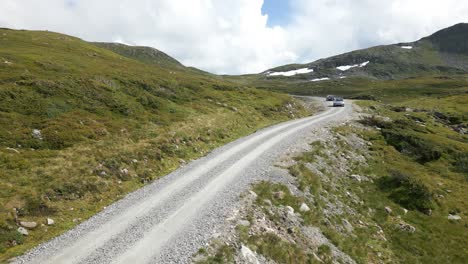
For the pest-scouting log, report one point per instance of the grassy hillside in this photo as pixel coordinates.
(389, 187)
(80, 126)
(143, 54)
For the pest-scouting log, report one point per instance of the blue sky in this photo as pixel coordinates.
(278, 12)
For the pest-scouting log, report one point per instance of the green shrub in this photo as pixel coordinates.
(9, 237)
(412, 145)
(406, 190)
(273, 247)
(36, 206)
(461, 163)
(374, 121)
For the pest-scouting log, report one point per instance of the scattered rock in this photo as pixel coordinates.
(244, 223)
(454, 217)
(36, 133)
(279, 195)
(124, 171)
(358, 178)
(406, 227)
(304, 208)
(182, 161)
(268, 202)
(348, 226)
(355, 177)
(253, 194)
(134, 161)
(388, 210)
(23, 231)
(50, 221)
(405, 210)
(248, 256)
(28, 224)
(289, 209)
(13, 150)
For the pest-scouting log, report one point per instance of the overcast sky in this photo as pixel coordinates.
(239, 36)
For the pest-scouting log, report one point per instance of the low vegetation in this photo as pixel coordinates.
(81, 126)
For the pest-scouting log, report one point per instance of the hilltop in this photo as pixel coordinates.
(143, 54)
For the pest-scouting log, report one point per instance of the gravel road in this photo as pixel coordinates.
(169, 220)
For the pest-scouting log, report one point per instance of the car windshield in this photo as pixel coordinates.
(338, 99)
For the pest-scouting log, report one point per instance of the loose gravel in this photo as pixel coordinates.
(168, 220)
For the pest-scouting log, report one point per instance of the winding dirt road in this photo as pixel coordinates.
(170, 219)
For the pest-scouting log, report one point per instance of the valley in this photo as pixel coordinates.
(117, 153)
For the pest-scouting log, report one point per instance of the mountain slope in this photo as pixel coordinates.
(80, 126)
(143, 54)
(444, 52)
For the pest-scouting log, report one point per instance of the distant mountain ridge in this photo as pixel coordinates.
(445, 51)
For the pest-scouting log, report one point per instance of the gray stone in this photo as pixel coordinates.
(454, 217)
(244, 223)
(27, 224)
(355, 177)
(407, 227)
(36, 133)
(23, 231)
(388, 210)
(253, 194)
(289, 209)
(50, 221)
(267, 201)
(248, 256)
(348, 226)
(304, 208)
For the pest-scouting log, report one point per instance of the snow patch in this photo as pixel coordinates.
(347, 67)
(406, 47)
(320, 79)
(290, 73)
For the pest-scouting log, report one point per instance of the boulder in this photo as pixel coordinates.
(304, 208)
(36, 133)
(289, 209)
(248, 256)
(23, 231)
(27, 224)
(50, 221)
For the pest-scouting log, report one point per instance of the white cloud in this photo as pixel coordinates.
(232, 36)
